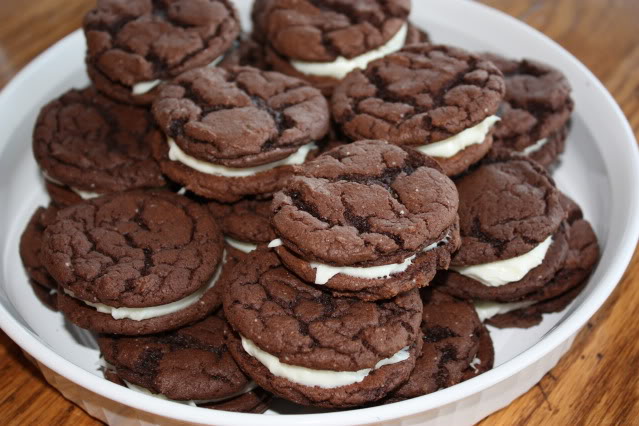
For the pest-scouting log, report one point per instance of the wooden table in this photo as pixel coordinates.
(595, 383)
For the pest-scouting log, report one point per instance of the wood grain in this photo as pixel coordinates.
(595, 383)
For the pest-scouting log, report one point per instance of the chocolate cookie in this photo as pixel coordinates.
(438, 99)
(246, 223)
(535, 112)
(362, 205)
(135, 262)
(235, 132)
(87, 145)
(191, 365)
(485, 357)
(133, 46)
(31, 244)
(451, 340)
(326, 75)
(583, 254)
(509, 211)
(336, 352)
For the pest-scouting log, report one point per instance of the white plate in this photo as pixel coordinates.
(600, 170)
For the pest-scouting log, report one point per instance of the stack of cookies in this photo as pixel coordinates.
(525, 248)
(336, 319)
(231, 232)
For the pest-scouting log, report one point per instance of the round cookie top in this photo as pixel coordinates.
(133, 249)
(241, 116)
(452, 332)
(86, 141)
(507, 207)
(368, 201)
(304, 326)
(191, 363)
(247, 220)
(536, 105)
(322, 30)
(422, 94)
(143, 40)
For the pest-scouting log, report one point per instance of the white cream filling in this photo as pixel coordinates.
(241, 245)
(194, 403)
(146, 86)
(326, 379)
(454, 144)
(140, 314)
(486, 310)
(342, 66)
(85, 195)
(323, 272)
(275, 243)
(500, 272)
(176, 154)
(474, 363)
(535, 147)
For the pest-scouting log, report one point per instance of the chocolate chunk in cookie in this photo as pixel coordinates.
(191, 365)
(133, 46)
(535, 112)
(308, 347)
(236, 132)
(438, 99)
(87, 145)
(135, 262)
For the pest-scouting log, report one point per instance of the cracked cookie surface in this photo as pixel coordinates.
(322, 30)
(143, 40)
(537, 105)
(133, 249)
(192, 363)
(422, 94)
(327, 83)
(452, 332)
(507, 207)
(89, 142)
(240, 117)
(365, 203)
(247, 220)
(303, 326)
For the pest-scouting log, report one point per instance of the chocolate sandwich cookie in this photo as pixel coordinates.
(44, 286)
(236, 132)
(133, 46)
(310, 348)
(368, 219)
(246, 223)
(440, 100)
(135, 262)
(88, 145)
(568, 282)
(536, 110)
(191, 365)
(322, 41)
(514, 238)
(452, 333)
